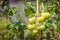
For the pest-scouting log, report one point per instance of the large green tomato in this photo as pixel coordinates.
(30, 27)
(46, 15)
(40, 19)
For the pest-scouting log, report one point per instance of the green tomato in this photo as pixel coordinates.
(41, 28)
(32, 20)
(35, 32)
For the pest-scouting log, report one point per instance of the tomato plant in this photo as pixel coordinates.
(48, 21)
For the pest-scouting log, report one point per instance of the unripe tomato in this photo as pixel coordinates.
(40, 19)
(30, 27)
(42, 27)
(35, 31)
(46, 15)
(32, 20)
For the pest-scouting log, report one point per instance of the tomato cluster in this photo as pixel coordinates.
(40, 19)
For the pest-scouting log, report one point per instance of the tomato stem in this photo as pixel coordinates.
(37, 14)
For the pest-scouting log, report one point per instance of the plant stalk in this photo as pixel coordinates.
(37, 14)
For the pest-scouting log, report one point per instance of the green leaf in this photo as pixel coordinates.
(12, 11)
(29, 11)
(54, 26)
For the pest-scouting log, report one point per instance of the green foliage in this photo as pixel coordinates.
(16, 24)
(12, 11)
(47, 6)
(29, 11)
